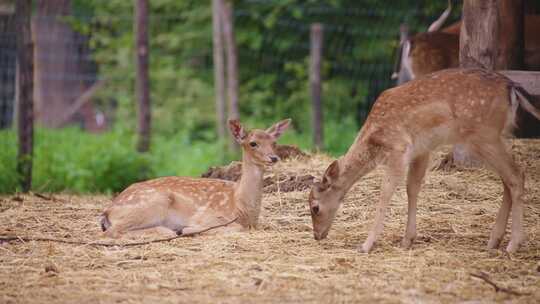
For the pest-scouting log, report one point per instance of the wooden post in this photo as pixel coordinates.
(479, 34)
(232, 65)
(511, 35)
(219, 67)
(142, 81)
(315, 84)
(25, 121)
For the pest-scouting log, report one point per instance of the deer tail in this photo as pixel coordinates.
(523, 98)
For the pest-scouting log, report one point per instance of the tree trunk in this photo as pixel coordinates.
(25, 121)
(60, 74)
(315, 84)
(8, 46)
(219, 77)
(479, 34)
(232, 65)
(142, 81)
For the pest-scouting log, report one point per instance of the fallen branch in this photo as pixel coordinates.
(10, 239)
(483, 276)
(48, 198)
(79, 102)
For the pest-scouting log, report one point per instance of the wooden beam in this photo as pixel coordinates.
(529, 80)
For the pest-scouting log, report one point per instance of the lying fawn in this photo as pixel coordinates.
(186, 205)
(472, 107)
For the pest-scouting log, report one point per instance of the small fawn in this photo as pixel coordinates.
(471, 107)
(187, 205)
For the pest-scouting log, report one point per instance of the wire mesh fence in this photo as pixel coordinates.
(84, 72)
(78, 44)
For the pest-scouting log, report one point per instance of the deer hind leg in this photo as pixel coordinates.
(499, 228)
(417, 171)
(495, 155)
(393, 175)
(137, 216)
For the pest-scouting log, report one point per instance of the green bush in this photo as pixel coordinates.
(73, 160)
(8, 165)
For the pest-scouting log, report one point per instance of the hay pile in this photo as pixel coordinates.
(280, 262)
(285, 181)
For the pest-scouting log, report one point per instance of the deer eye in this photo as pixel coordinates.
(315, 210)
(253, 144)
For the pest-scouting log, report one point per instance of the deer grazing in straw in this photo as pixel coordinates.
(471, 107)
(188, 205)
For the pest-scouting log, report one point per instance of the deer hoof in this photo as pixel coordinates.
(494, 243)
(406, 243)
(365, 248)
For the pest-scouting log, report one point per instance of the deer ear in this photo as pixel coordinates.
(237, 131)
(278, 128)
(331, 174)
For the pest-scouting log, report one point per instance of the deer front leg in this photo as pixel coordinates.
(388, 187)
(417, 171)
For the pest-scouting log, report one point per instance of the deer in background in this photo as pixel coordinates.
(428, 52)
(438, 48)
(471, 107)
(188, 205)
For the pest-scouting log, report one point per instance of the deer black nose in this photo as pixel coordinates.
(274, 159)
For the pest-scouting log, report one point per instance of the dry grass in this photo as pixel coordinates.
(281, 262)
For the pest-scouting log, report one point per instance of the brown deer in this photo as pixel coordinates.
(471, 107)
(428, 52)
(188, 205)
(438, 48)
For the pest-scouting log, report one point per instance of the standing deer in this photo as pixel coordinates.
(471, 107)
(188, 205)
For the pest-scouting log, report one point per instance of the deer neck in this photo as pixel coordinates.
(357, 162)
(248, 193)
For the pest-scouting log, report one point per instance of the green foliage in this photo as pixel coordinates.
(273, 46)
(8, 164)
(73, 160)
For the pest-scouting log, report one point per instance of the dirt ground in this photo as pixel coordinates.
(281, 262)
